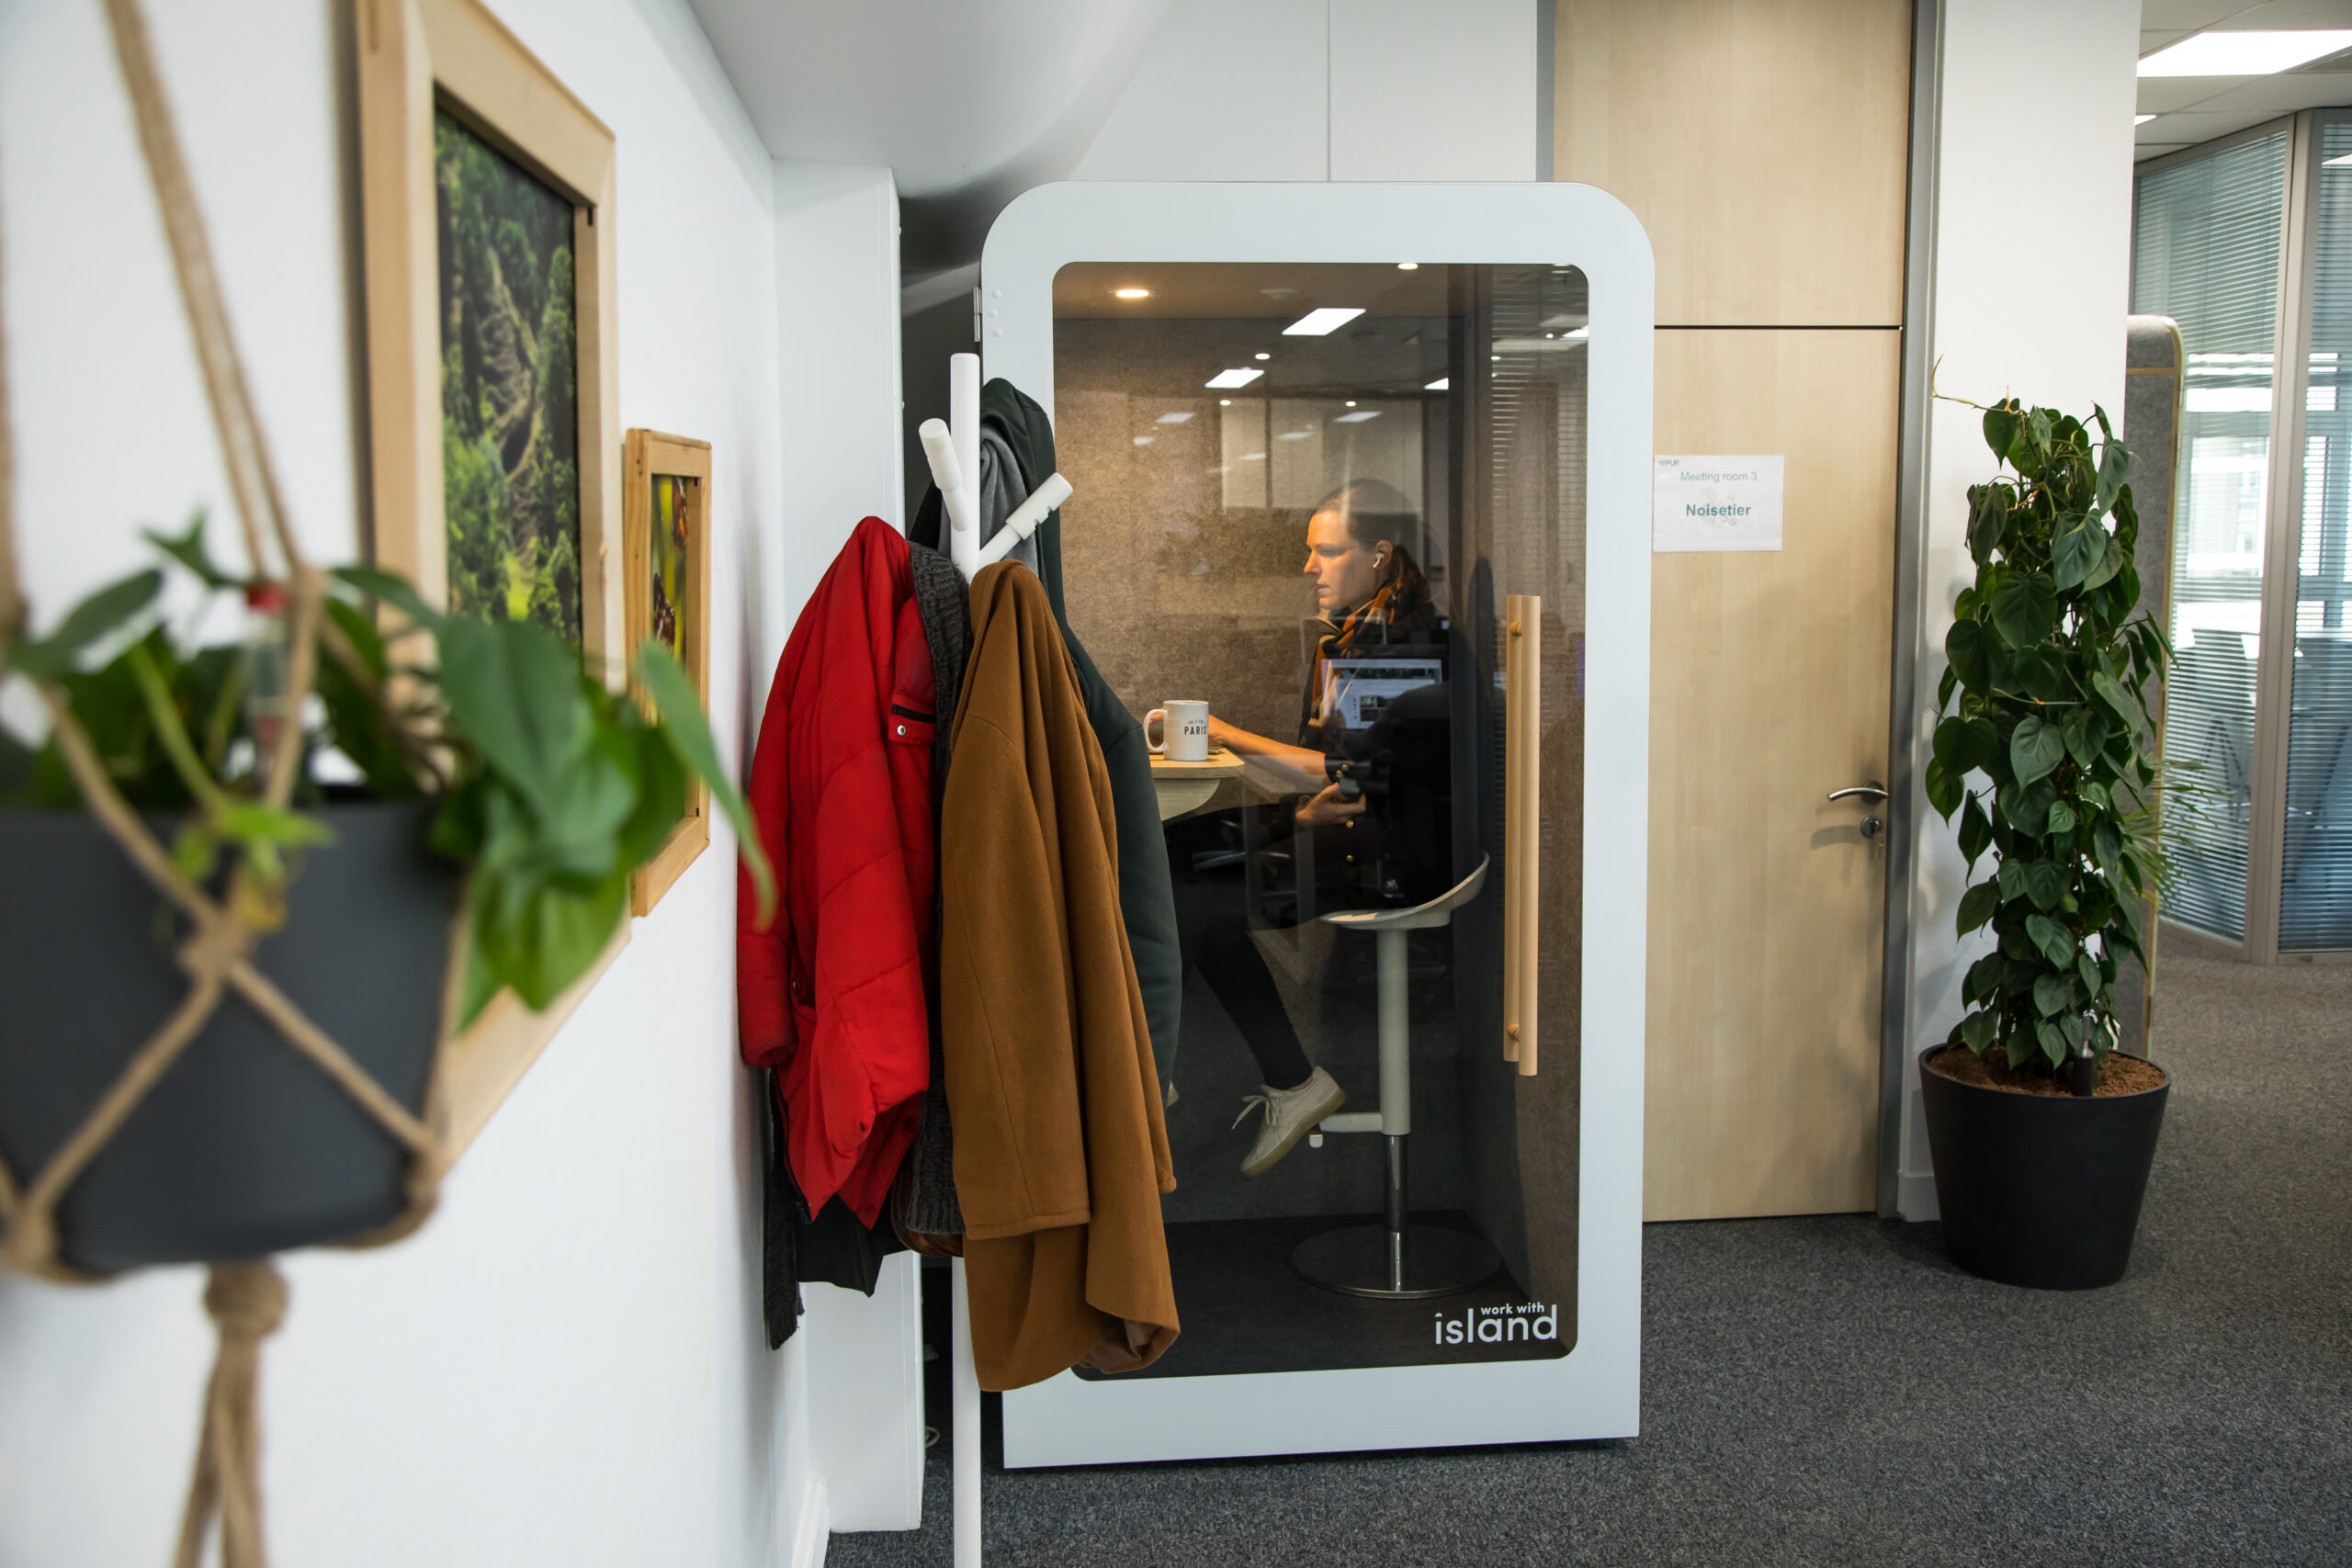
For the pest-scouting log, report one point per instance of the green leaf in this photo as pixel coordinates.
(2062, 818)
(2001, 429)
(2028, 809)
(2112, 560)
(2077, 551)
(46, 658)
(1943, 788)
(1976, 831)
(1965, 647)
(2024, 608)
(1977, 905)
(189, 549)
(2040, 672)
(2106, 845)
(2114, 465)
(393, 589)
(1967, 744)
(1983, 980)
(1988, 512)
(513, 693)
(2053, 993)
(1946, 684)
(682, 719)
(2052, 1040)
(2085, 735)
(1976, 1031)
(2054, 941)
(2036, 747)
(2113, 693)
(2045, 882)
(2089, 967)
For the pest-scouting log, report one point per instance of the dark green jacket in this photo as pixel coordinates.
(1146, 893)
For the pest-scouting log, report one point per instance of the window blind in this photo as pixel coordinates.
(2315, 885)
(2206, 252)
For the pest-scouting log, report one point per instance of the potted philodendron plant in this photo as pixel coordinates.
(484, 786)
(2042, 1133)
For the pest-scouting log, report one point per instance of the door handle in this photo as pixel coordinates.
(1871, 791)
(1522, 762)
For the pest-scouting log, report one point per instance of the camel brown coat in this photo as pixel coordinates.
(1061, 1153)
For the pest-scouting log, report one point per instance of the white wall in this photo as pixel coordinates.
(566, 1366)
(837, 318)
(2044, 323)
(1328, 89)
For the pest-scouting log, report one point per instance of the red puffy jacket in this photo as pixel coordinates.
(832, 995)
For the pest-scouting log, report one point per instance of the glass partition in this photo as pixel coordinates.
(1303, 492)
(2206, 252)
(2315, 879)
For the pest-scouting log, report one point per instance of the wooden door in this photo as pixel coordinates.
(1769, 689)
(1763, 144)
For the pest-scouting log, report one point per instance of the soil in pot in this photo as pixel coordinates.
(2118, 1073)
(2040, 1188)
(243, 1147)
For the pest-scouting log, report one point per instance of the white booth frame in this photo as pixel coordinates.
(1595, 1390)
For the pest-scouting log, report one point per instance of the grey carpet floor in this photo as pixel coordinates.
(1832, 1390)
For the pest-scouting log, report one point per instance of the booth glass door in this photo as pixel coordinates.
(1317, 498)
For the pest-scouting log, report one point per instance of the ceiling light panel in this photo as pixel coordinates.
(2245, 54)
(1323, 322)
(1225, 379)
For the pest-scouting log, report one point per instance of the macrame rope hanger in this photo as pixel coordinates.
(246, 1298)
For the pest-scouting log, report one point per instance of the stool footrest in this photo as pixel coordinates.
(1352, 1122)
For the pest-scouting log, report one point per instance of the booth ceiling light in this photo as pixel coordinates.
(1444, 383)
(1224, 379)
(1132, 293)
(1174, 416)
(1408, 266)
(1261, 354)
(2245, 54)
(2142, 118)
(1324, 321)
(1358, 417)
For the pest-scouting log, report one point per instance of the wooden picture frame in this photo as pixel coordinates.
(435, 72)
(431, 71)
(669, 474)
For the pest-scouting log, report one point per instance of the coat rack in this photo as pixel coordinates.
(953, 450)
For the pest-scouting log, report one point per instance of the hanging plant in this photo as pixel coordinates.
(2046, 755)
(550, 789)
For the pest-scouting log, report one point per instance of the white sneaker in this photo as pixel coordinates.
(1291, 1114)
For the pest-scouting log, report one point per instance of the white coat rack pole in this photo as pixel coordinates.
(964, 427)
(966, 1454)
(953, 450)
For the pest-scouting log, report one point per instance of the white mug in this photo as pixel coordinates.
(1183, 731)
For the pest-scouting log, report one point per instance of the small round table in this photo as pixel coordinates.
(1187, 786)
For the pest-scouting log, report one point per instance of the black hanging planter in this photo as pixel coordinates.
(243, 1147)
(2037, 1189)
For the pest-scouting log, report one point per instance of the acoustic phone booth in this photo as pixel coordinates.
(1365, 468)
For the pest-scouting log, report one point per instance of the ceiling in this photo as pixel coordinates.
(2190, 109)
(967, 104)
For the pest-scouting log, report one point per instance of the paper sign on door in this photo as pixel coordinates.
(1716, 504)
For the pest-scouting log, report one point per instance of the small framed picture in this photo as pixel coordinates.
(666, 573)
(487, 200)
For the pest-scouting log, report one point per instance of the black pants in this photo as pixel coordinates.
(1213, 929)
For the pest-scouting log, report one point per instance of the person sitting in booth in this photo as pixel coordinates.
(1370, 773)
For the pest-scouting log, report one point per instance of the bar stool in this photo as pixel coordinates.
(1396, 1260)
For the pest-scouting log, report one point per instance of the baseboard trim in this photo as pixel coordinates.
(812, 1530)
(1916, 1197)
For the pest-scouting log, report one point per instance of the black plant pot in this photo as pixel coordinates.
(243, 1147)
(2040, 1190)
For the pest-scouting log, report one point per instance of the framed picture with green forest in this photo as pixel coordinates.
(665, 571)
(487, 195)
(486, 202)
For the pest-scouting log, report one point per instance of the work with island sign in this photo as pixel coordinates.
(1499, 1325)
